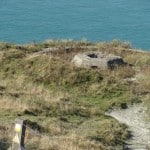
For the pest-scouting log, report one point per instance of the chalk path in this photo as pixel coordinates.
(136, 119)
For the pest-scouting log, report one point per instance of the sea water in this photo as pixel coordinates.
(23, 21)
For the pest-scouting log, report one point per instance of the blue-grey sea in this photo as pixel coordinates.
(24, 21)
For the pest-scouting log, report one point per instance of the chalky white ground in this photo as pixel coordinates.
(136, 119)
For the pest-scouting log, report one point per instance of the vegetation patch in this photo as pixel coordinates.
(61, 101)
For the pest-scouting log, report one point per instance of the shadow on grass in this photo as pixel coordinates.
(4, 144)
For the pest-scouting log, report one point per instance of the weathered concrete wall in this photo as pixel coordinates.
(97, 60)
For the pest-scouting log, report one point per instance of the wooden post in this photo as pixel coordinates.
(18, 140)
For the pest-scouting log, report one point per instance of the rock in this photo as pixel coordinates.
(97, 60)
(131, 80)
(124, 105)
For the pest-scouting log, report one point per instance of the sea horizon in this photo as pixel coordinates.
(23, 22)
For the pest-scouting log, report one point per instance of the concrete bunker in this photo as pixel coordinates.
(97, 60)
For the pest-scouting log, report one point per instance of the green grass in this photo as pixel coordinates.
(69, 102)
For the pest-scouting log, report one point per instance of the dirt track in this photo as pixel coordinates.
(137, 120)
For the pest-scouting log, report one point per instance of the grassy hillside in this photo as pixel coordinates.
(68, 103)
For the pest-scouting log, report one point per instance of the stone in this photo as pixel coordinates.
(124, 105)
(97, 60)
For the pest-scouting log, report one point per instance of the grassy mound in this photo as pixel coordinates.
(66, 103)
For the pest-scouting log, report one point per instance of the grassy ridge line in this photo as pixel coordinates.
(64, 100)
